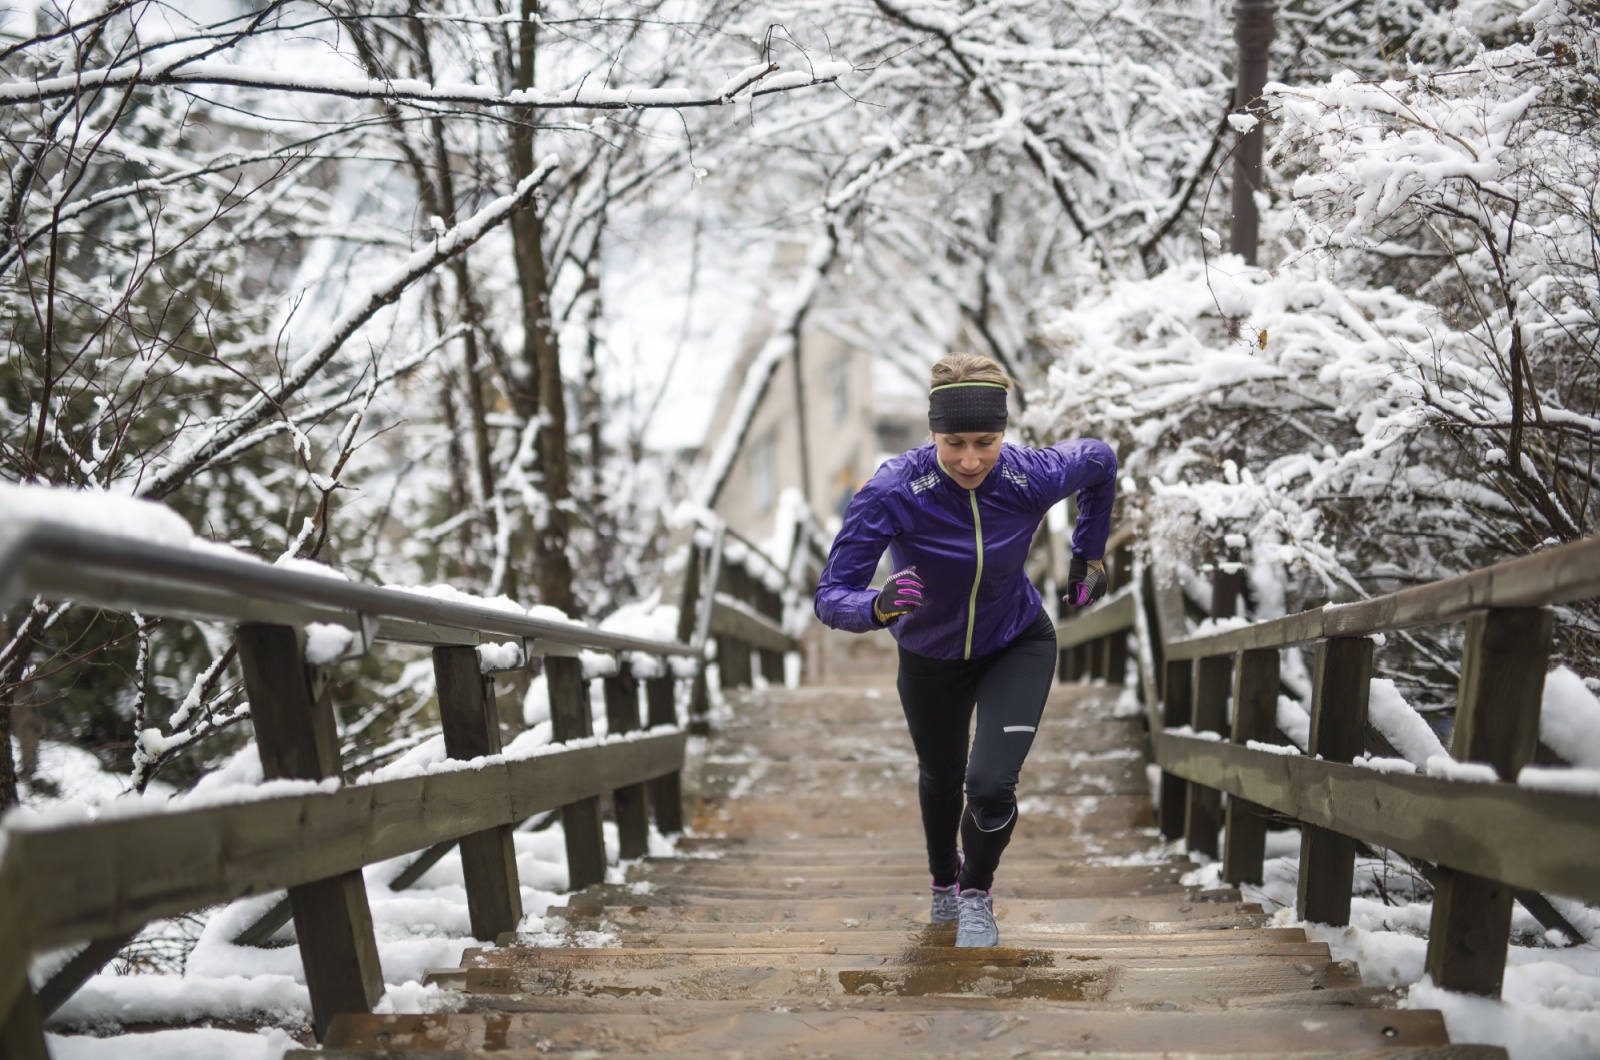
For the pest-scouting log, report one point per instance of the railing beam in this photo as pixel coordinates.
(627, 803)
(1341, 684)
(298, 739)
(1255, 717)
(471, 726)
(570, 719)
(1497, 722)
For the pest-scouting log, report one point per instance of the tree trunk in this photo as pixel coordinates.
(8, 765)
(540, 352)
(1254, 30)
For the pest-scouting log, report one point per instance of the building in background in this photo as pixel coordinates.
(821, 430)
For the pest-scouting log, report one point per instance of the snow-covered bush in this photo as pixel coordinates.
(1409, 389)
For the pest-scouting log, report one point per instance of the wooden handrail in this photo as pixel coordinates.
(103, 880)
(1473, 838)
(69, 563)
(1541, 840)
(1556, 576)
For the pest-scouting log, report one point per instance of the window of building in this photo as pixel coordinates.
(764, 472)
(839, 386)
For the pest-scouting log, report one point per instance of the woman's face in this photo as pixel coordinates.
(969, 457)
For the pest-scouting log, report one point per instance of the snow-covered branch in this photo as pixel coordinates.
(222, 435)
(181, 72)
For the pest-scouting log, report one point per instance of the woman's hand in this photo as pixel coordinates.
(1086, 581)
(900, 595)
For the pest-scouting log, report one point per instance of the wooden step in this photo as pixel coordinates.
(813, 864)
(863, 1032)
(888, 740)
(791, 936)
(792, 921)
(1093, 852)
(1307, 1004)
(1424, 1052)
(830, 972)
(1118, 772)
(1038, 913)
(1044, 818)
(776, 885)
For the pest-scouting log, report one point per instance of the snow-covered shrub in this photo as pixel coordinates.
(1411, 388)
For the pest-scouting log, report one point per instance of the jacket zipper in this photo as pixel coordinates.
(972, 601)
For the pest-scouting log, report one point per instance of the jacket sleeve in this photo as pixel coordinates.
(1086, 467)
(844, 594)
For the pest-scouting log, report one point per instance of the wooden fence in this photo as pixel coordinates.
(99, 882)
(1483, 842)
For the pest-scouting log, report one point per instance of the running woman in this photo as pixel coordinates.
(958, 516)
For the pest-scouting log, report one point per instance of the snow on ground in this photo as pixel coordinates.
(423, 927)
(199, 1043)
(1550, 1005)
(418, 929)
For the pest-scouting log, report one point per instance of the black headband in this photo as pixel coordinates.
(957, 408)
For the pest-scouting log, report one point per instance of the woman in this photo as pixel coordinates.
(958, 516)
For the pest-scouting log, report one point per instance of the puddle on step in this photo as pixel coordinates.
(979, 980)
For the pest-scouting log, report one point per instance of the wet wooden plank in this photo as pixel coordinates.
(890, 1033)
(1001, 975)
(1382, 1052)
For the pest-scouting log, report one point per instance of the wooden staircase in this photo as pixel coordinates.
(793, 922)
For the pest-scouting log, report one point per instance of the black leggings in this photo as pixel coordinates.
(1008, 687)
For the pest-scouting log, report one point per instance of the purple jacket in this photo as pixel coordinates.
(969, 546)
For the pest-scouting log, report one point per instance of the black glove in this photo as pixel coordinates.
(1086, 581)
(900, 595)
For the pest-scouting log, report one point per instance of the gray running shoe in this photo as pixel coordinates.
(946, 904)
(976, 926)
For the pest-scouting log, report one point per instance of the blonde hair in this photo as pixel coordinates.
(968, 368)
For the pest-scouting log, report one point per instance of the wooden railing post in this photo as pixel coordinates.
(570, 720)
(666, 792)
(628, 803)
(1116, 658)
(22, 1027)
(298, 739)
(770, 604)
(694, 624)
(471, 725)
(1497, 722)
(1341, 685)
(1212, 679)
(1255, 717)
(733, 654)
(1177, 709)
